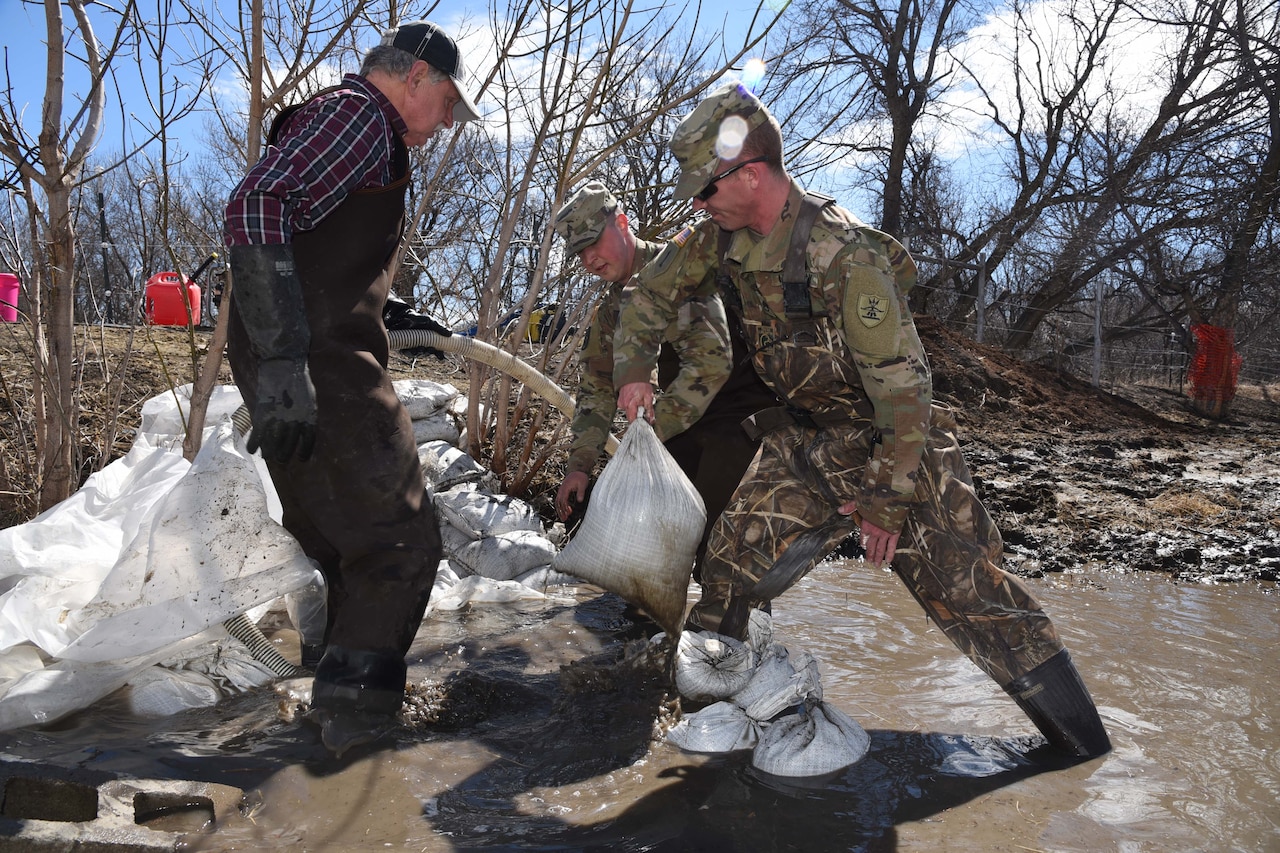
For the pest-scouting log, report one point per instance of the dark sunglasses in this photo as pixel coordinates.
(710, 189)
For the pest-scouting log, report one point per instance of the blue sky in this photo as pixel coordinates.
(24, 36)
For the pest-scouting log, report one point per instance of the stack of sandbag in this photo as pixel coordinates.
(762, 698)
(641, 529)
(437, 410)
(489, 538)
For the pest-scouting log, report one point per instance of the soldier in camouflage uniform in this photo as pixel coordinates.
(699, 414)
(858, 445)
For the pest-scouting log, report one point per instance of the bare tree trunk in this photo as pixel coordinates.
(202, 388)
(59, 423)
(59, 165)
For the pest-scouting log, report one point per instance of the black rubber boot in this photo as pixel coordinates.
(1056, 700)
(311, 655)
(351, 680)
(355, 697)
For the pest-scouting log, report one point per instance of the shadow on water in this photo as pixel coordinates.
(727, 806)
(554, 760)
(598, 717)
(724, 804)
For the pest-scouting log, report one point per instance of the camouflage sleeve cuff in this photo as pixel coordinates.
(582, 459)
(886, 511)
(666, 423)
(637, 370)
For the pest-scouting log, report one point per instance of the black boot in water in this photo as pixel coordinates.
(1056, 700)
(355, 697)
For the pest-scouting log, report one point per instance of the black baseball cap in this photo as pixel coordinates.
(432, 45)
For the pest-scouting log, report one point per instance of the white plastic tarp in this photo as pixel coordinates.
(139, 568)
(149, 554)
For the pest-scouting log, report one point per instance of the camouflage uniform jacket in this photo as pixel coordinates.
(860, 357)
(699, 331)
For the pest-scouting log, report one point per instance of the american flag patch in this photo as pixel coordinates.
(684, 235)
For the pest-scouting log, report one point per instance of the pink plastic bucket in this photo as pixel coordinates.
(8, 297)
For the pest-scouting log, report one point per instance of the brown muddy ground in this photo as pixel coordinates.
(1076, 477)
(1125, 481)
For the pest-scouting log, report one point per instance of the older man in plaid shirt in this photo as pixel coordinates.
(310, 232)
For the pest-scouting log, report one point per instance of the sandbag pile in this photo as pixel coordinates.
(128, 581)
(763, 698)
(486, 535)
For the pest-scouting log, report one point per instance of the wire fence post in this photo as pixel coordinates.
(1096, 374)
(981, 323)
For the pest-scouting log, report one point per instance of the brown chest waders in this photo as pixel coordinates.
(358, 506)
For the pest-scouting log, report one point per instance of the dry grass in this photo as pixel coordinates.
(1190, 505)
(116, 370)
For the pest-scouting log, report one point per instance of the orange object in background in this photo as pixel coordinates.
(164, 305)
(1215, 368)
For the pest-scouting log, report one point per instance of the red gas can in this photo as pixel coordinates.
(164, 305)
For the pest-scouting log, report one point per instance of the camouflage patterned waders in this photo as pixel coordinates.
(948, 556)
(855, 440)
(822, 300)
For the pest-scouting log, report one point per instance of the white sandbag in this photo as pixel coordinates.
(507, 555)
(710, 667)
(445, 466)
(818, 741)
(720, 727)
(759, 632)
(454, 540)
(483, 513)
(423, 398)
(439, 426)
(197, 677)
(641, 529)
(778, 682)
(230, 664)
(545, 576)
(158, 691)
(476, 590)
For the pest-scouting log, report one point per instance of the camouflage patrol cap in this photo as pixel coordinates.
(584, 216)
(703, 138)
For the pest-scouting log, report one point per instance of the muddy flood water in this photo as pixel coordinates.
(515, 757)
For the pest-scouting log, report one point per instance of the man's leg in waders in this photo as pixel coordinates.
(949, 557)
(774, 531)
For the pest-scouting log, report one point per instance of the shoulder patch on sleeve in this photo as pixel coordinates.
(668, 253)
(872, 309)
